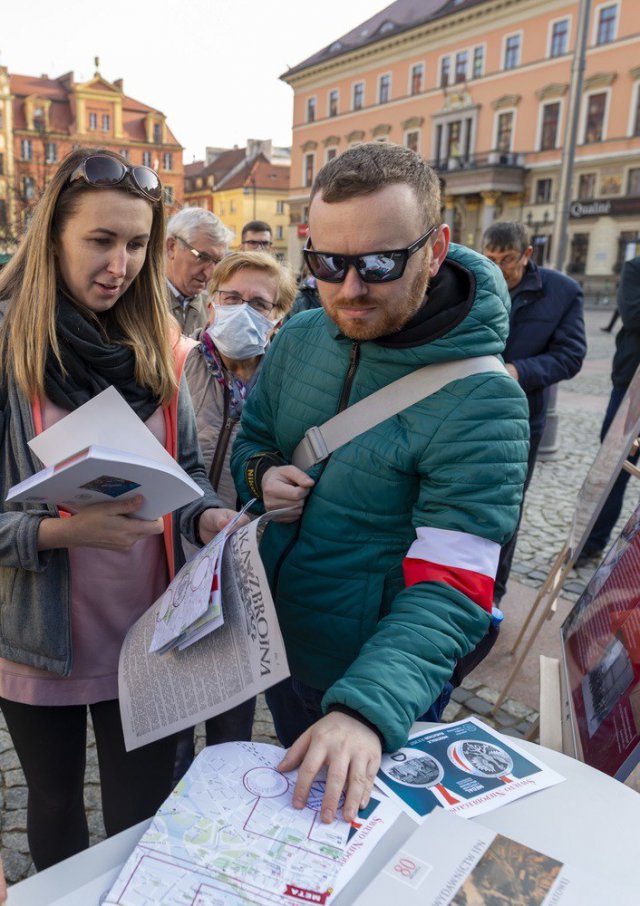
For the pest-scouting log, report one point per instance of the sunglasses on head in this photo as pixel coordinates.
(372, 267)
(105, 172)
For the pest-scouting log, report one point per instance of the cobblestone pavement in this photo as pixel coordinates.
(547, 517)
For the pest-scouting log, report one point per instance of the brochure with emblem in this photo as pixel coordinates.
(229, 835)
(99, 474)
(464, 767)
(449, 860)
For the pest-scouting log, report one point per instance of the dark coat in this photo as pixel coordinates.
(547, 341)
(627, 356)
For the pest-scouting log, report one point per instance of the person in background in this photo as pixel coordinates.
(546, 343)
(71, 586)
(197, 241)
(625, 362)
(250, 294)
(382, 573)
(307, 297)
(256, 237)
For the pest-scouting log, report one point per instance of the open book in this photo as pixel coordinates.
(98, 474)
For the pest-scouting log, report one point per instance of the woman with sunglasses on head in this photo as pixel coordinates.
(251, 293)
(84, 308)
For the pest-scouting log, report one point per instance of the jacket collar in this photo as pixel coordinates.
(531, 282)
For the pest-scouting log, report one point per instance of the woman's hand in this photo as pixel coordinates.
(214, 520)
(104, 525)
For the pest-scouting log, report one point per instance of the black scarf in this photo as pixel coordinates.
(93, 362)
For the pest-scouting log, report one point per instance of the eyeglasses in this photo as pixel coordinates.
(372, 267)
(507, 260)
(229, 297)
(257, 244)
(105, 172)
(202, 257)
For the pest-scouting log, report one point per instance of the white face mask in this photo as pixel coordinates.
(239, 331)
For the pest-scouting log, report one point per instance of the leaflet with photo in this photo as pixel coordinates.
(464, 767)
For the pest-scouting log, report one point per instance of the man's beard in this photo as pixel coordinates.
(391, 315)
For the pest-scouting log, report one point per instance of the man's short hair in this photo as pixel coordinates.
(365, 168)
(256, 226)
(259, 261)
(506, 234)
(191, 222)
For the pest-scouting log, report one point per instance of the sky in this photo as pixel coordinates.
(211, 66)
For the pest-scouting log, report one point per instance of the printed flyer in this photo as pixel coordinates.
(464, 767)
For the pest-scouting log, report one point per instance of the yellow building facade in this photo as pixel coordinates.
(480, 88)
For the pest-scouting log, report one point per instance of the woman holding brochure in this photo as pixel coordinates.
(84, 308)
(251, 293)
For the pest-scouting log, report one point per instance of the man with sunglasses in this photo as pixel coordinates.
(382, 570)
(197, 241)
(547, 341)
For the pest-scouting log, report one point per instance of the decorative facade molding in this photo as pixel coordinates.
(552, 90)
(357, 135)
(309, 146)
(381, 129)
(331, 140)
(506, 100)
(414, 122)
(600, 80)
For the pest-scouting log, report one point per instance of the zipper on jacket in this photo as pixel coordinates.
(223, 443)
(354, 361)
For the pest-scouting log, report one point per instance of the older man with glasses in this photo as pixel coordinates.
(546, 343)
(382, 569)
(197, 241)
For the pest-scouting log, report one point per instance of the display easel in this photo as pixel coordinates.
(621, 441)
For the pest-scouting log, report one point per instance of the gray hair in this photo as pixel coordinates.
(506, 234)
(189, 222)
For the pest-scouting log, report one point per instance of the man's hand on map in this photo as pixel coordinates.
(350, 750)
(214, 520)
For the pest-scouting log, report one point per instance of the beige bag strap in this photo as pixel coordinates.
(319, 442)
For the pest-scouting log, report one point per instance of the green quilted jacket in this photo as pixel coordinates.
(448, 469)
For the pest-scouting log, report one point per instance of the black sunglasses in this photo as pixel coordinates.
(372, 267)
(104, 172)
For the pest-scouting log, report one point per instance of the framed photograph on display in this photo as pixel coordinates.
(601, 659)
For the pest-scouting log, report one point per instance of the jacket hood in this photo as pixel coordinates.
(465, 313)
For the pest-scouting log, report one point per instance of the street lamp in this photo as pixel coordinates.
(252, 180)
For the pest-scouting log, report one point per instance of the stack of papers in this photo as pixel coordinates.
(191, 607)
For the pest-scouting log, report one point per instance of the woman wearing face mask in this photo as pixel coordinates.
(84, 308)
(251, 292)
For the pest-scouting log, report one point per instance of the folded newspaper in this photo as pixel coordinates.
(228, 835)
(161, 694)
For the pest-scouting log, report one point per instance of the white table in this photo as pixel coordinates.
(590, 819)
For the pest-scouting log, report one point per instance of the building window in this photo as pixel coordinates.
(559, 38)
(504, 138)
(633, 181)
(358, 95)
(280, 207)
(550, 123)
(607, 24)
(26, 149)
(106, 122)
(311, 110)
(417, 78)
(462, 59)
(594, 124)
(333, 102)
(157, 133)
(28, 187)
(280, 232)
(167, 160)
(168, 194)
(578, 253)
(93, 121)
(125, 153)
(478, 61)
(512, 52)
(331, 153)
(412, 140)
(384, 89)
(50, 152)
(1, 120)
(232, 206)
(309, 162)
(3, 212)
(38, 119)
(146, 158)
(445, 71)
(543, 191)
(586, 186)
(636, 113)
(1, 164)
